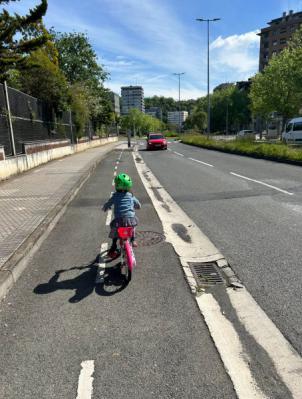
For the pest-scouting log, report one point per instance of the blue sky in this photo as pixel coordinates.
(144, 41)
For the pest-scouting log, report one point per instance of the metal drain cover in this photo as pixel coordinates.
(206, 274)
(149, 238)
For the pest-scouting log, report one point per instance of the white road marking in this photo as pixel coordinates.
(204, 163)
(227, 340)
(262, 183)
(115, 173)
(101, 267)
(178, 153)
(169, 149)
(115, 168)
(109, 217)
(85, 387)
(113, 183)
(287, 361)
(229, 347)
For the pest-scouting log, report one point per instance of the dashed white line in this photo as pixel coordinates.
(262, 183)
(109, 217)
(115, 173)
(113, 183)
(178, 153)
(203, 163)
(85, 387)
(101, 266)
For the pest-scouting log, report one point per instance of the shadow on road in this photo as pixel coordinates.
(84, 284)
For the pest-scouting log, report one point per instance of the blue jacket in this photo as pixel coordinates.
(124, 204)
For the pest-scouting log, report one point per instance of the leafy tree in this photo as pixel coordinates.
(42, 78)
(18, 36)
(140, 123)
(279, 87)
(79, 107)
(78, 60)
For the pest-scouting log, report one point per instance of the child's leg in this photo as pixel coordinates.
(113, 245)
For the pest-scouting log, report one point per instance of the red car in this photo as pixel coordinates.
(156, 141)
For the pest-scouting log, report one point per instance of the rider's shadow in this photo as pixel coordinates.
(85, 283)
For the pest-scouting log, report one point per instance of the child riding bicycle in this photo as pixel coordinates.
(124, 203)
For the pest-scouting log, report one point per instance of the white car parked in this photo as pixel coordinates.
(293, 131)
(244, 134)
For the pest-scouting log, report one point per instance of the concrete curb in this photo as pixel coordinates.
(17, 263)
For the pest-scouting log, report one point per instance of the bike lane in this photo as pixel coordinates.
(147, 340)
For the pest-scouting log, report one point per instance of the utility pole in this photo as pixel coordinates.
(179, 118)
(209, 100)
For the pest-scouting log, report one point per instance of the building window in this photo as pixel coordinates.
(283, 41)
(283, 30)
(275, 32)
(274, 53)
(275, 43)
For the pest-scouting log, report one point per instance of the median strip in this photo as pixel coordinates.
(262, 183)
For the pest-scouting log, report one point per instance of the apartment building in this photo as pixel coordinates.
(155, 112)
(275, 37)
(132, 97)
(175, 116)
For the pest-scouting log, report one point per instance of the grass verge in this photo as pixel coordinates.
(275, 152)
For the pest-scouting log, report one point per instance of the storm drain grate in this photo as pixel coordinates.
(149, 238)
(206, 274)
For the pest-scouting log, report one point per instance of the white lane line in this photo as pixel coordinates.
(109, 217)
(113, 183)
(169, 149)
(287, 361)
(85, 387)
(262, 183)
(115, 168)
(115, 173)
(101, 266)
(203, 163)
(178, 153)
(230, 348)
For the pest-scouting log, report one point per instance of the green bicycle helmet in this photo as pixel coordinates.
(123, 182)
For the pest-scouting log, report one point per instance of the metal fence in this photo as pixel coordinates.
(31, 120)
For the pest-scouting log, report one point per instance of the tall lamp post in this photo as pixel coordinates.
(209, 100)
(179, 119)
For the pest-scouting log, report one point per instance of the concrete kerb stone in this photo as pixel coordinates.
(17, 263)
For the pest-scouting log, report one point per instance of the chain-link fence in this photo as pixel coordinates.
(32, 120)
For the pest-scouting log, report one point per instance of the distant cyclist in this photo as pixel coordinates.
(124, 203)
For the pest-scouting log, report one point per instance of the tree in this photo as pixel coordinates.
(279, 87)
(140, 123)
(42, 78)
(18, 36)
(78, 60)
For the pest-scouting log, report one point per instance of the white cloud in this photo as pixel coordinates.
(239, 54)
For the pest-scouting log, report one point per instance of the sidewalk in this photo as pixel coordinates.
(29, 202)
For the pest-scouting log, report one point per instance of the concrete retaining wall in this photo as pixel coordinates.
(22, 163)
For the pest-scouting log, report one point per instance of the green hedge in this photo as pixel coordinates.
(278, 151)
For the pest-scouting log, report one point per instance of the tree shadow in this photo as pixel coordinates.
(85, 284)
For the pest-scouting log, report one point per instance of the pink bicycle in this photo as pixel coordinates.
(128, 261)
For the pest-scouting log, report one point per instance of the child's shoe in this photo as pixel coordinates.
(134, 244)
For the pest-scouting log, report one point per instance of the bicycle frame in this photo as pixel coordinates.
(127, 254)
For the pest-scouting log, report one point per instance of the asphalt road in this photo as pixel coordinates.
(256, 227)
(147, 340)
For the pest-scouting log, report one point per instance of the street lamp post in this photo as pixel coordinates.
(179, 119)
(209, 100)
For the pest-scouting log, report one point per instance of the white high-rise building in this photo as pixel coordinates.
(175, 116)
(132, 97)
